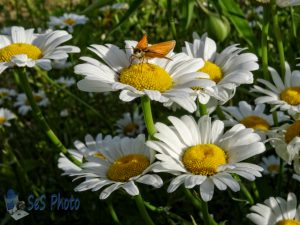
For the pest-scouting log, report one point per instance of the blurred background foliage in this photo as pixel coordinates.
(28, 161)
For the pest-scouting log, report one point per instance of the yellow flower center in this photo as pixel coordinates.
(69, 21)
(127, 166)
(292, 131)
(204, 159)
(146, 76)
(255, 122)
(130, 128)
(214, 71)
(273, 168)
(288, 222)
(9, 51)
(99, 155)
(2, 119)
(291, 95)
(3, 94)
(37, 98)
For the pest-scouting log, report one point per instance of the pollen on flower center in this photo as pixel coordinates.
(9, 51)
(204, 159)
(292, 131)
(130, 128)
(69, 21)
(127, 166)
(214, 71)
(288, 222)
(2, 119)
(146, 76)
(255, 122)
(291, 95)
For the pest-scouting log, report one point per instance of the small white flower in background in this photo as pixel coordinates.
(25, 48)
(87, 151)
(252, 118)
(68, 20)
(276, 211)
(287, 3)
(5, 117)
(130, 126)
(286, 141)
(67, 81)
(201, 154)
(284, 95)
(229, 69)
(271, 165)
(117, 6)
(23, 104)
(296, 177)
(64, 113)
(162, 80)
(6, 94)
(125, 161)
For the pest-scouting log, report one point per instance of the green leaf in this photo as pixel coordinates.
(133, 7)
(234, 13)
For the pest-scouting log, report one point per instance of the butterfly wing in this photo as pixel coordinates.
(143, 43)
(160, 50)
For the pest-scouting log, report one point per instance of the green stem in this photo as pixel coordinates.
(294, 28)
(220, 113)
(246, 193)
(202, 109)
(146, 106)
(40, 118)
(112, 212)
(255, 191)
(275, 118)
(264, 41)
(278, 37)
(140, 204)
(201, 206)
(171, 19)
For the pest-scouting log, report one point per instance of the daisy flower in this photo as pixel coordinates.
(5, 117)
(284, 95)
(271, 165)
(85, 151)
(6, 94)
(166, 81)
(252, 118)
(202, 154)
(24, 48)
(68, 20)
(286, 141)
(24, 106)
(66, 81)
(276, 211)
(129, 125)
(126, 161)
(229, 69)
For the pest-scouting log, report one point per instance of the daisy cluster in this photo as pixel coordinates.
(210, 150)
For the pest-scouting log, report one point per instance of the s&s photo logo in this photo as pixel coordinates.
(13, 206)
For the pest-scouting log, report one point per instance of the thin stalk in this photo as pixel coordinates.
(40, 118)
(140, 204)
(112, 212)
(275, 118)
(206, 216)
(255, 191)
(201, 206)
(202, 109)
(246, 193)
(278, 38)
(171, 19)
(146, 106)
(220, 113)
(264, 41)
(294, 28)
